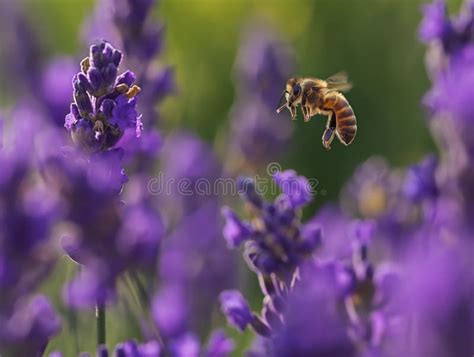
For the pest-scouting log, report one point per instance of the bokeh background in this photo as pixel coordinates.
(375, 41)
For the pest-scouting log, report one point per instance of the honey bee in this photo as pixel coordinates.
(318, 96)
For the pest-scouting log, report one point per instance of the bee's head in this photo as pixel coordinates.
(292, 93)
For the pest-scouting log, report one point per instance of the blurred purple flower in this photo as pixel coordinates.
(451, 120)
(21, 63)
(435, 24)
(133, 349)
(194, 258)
(295, 189)
(236, 309)
(376, 192)
(55, 89)
(27, 330)
(235, 231)
(324, 331)
(263, 65)
(257, 134)
(335, 234)
(141, 150)
(420, 182)
(27, 219)
(29, 211)
(170, 311)
(186, 345)
(94, 284)
(190, 169)
(125, 349)
(219, 345)
(373, 189)
(436, 301)
(107, 237)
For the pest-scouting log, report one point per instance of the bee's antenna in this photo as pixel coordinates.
(280, 108)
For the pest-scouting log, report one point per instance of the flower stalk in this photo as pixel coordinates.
(100, 320)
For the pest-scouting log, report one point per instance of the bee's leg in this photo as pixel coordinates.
(305, 110)
(330, 131)
(293, 112)
(307, 114)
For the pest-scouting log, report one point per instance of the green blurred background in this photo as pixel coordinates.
(375, 41)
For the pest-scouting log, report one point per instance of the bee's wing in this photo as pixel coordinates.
(339, 82)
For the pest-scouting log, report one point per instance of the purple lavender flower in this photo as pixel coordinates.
(185, 345)
(263, 64)
(27, 218)
(436, 303)
(104, 104)
(29, 211)
(262, 67)
(451, 120)
(133, 349)
(257, 135)
(170, 311)
(436, 24)
(452, 33)
(194, 259)
(420, 182)
(376, 192)
(235, 231)
(125, 349)
(55, 88)
(126, 21)
(295, 189)
(236, 309)
(324, 331)
(26, 256)
(109, 237)
(171, 314)
(274, 241)
(190, 169)
(27, 330)
(335, 236)
(129, 23)
(219, 345)
(22, 61)
(141, 39)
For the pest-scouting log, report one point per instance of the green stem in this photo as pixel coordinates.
(100, 319)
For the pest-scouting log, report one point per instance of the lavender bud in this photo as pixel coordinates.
(109, 73)
(235, 231)
(127, 77)
(117, 58)
(95, 79)
(236, 309)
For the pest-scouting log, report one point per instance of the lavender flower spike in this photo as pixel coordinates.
(236, 309)
(275, 242)
(104, 104)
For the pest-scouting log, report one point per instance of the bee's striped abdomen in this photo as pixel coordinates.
(346, 124)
